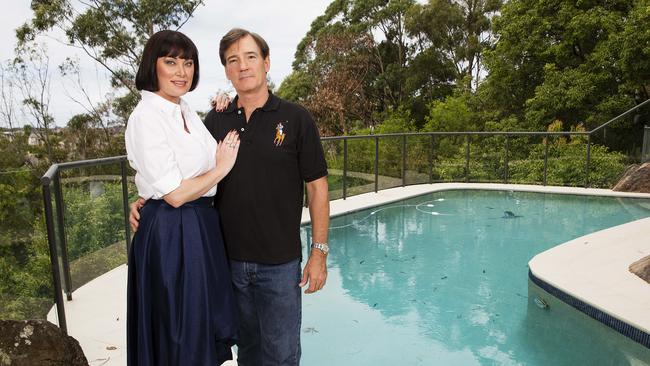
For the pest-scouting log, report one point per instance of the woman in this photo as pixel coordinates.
(181, 308)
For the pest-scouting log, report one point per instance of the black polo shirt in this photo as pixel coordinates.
(260, 200)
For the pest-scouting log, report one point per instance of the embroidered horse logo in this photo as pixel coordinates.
(279, 134)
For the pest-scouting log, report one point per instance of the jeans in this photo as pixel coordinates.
(270, 310)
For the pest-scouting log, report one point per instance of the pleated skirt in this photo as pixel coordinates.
(181, 308)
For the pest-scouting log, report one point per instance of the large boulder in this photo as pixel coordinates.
(37, 342)
(641, 268)
(635, 179)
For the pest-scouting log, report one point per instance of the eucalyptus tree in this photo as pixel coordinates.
(417, 53)
(361, 47)
(110, 32)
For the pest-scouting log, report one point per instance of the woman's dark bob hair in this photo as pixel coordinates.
(162, 44)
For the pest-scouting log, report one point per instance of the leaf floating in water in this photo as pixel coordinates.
(311, 330)
(483, 271)
(362, 262)
(375, 305)
(509, 215)
(111, 348)
(443, 277)
(541, 303)
(413, 257)
(356, 321)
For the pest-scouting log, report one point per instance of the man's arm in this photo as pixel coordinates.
(134, 213)
(315, 272)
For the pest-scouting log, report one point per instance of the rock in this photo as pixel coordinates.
(635, 179)
(641, 268)
(37, 342)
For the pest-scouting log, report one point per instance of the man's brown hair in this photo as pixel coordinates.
(236, 34)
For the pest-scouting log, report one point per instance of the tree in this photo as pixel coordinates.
(111, 32)
(568, 61)
(32, 77)
(381, 46)
(336, 95)
(451, 35)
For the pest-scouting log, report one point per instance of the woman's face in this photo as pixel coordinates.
(174, 77)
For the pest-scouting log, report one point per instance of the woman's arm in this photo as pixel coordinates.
(193, 188)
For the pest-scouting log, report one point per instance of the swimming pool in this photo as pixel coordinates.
(442, 279)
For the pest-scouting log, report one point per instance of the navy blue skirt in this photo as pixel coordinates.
(181, 309)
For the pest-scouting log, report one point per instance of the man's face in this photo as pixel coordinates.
(245, 67)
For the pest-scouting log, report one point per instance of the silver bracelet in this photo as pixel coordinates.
(323, 247)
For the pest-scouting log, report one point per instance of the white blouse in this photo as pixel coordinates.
(161, 151)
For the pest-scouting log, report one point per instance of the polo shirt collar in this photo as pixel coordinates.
(272, 103)
(161, 102)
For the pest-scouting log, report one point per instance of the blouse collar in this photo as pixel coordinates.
(164, 104)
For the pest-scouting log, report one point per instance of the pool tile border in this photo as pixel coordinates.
(616, 324)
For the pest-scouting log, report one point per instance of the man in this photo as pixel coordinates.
(260, 204)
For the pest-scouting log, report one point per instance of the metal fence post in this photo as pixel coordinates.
(431, 159)
(505, 173)
(125, 203)
(645, 149)
(467, 160)
(403, 160)
(588, 160)
(345, 166)
(545, 158)
(60, 216)
(54, 257)
(376, 164)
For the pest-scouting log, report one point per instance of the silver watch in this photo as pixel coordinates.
(323, 247)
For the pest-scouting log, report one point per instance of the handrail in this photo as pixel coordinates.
(46, 179)
(52, 176)
(633, 109)
(458, 133)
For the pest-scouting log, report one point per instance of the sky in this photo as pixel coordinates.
(283, 23)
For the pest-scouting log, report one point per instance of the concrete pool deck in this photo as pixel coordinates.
(595, 273)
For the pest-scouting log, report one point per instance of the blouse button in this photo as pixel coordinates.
(239, 112)
(242, 129)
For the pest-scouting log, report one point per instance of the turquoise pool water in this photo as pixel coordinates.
(442, 279)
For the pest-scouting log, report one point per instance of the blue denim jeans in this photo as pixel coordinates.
(270, 310)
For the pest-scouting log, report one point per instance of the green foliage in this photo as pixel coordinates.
(578, 62)
(567, 164)
(296, 87)
(26, 289)
(94, 219)
(451, 114)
